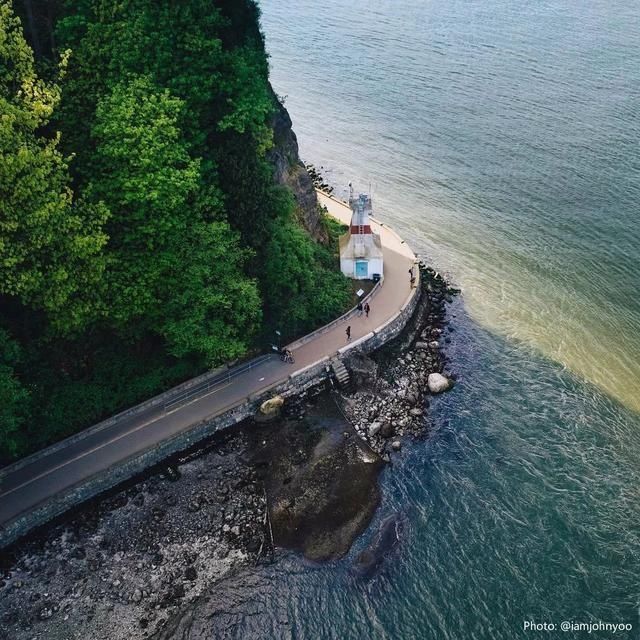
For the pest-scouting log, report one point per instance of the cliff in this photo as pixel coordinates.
(290, 172)
(147, 239)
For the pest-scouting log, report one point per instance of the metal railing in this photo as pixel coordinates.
(204, 387)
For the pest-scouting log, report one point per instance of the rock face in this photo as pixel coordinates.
(289, 171)
(438, 383)
(321, 484)
(364, 370)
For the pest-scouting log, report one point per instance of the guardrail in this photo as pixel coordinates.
(201, 389)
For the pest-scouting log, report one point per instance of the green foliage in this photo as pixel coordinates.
(170, 269)
(215, 308)
(14, 399)
(141, 169)
(302, 287)
(49, 247)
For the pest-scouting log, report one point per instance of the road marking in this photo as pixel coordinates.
(108, 442)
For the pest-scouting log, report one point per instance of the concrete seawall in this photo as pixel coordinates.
(223, 418)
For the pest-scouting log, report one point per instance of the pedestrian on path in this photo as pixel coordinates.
(367, 308)
(348, 332)
(359, 308)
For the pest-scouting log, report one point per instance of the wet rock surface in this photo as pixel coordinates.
(385, 539)
(321, 482)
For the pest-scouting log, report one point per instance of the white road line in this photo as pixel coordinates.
(104, 444)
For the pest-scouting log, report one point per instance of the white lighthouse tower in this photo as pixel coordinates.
(360, 247)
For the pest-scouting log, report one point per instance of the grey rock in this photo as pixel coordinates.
(375, 428)
(438, 383)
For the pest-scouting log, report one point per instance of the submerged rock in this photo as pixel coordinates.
(383, 542)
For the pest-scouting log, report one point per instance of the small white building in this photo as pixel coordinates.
(360, 247)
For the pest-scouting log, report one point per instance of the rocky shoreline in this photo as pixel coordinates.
(393, 385)
(126, 565)
(121, 566)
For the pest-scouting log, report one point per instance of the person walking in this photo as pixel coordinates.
(367, 308)
(348, 332)
(359, 308)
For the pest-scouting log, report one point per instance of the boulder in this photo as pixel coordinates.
(396, 445)
(271, 408)
(438, 383)
(374, 429)
(387, 430)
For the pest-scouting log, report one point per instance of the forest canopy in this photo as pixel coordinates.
(143, 237)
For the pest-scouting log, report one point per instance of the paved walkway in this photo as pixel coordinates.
(28, 484)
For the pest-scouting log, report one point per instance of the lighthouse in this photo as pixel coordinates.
(360, 247)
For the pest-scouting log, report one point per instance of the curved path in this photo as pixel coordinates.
(31, 482)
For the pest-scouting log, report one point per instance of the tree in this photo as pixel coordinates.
(49, 247)
(143, 172)
(301, 286)
(171, 269)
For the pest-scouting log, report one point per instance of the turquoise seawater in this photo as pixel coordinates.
(502, 140)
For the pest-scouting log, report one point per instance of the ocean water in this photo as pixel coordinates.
(502, 140)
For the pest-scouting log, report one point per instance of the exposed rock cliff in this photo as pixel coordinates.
(290, 171)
